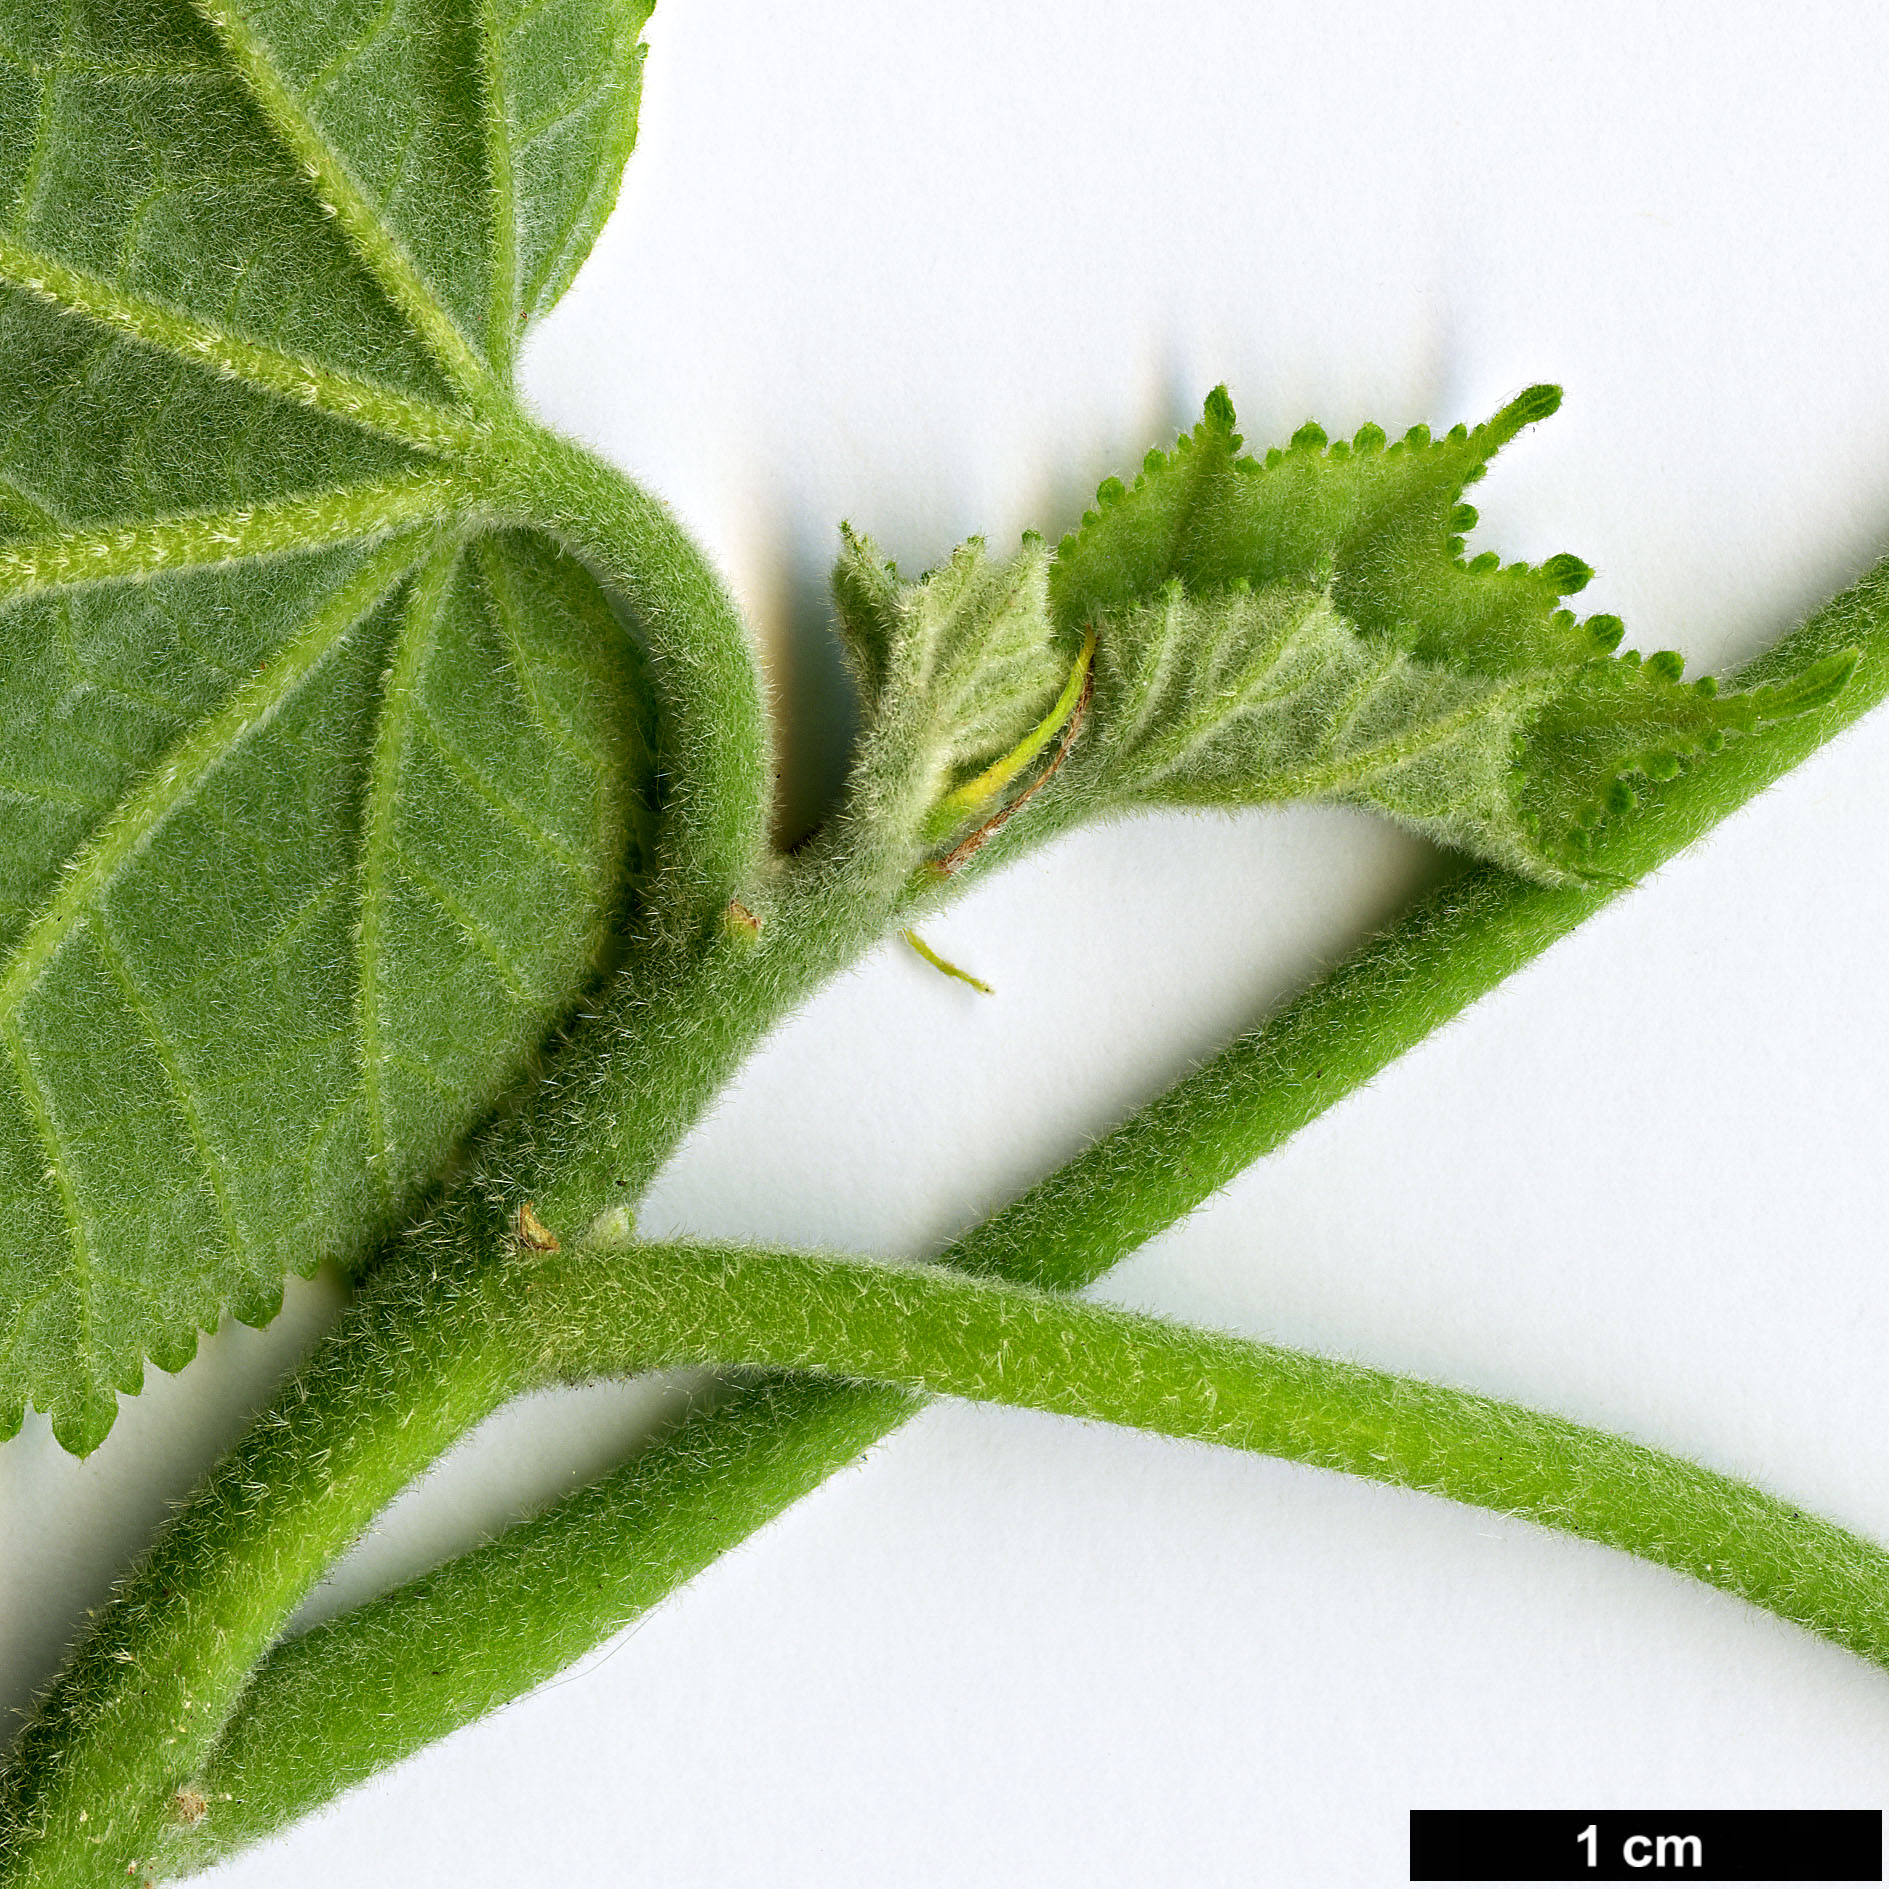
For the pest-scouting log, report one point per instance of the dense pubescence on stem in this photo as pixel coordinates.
(91, 1780)
(934, 1330)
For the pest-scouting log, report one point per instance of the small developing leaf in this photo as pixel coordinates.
(985, 788)
(955, 671)
(1371, 522)
(1252, 697)
(1612, 722)
(1306, 628)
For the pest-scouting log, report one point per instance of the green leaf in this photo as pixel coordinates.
(321, 789)
(571, 79)
(1306, 628)
(497, 171)
(1379, 525)
(952, 671)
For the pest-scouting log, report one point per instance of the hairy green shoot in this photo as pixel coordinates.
(384, 879)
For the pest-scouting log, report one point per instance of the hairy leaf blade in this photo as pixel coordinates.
(384, 105)
(1256, 696)
(508, 804)
(139, 158)
(250, 1004)
(267, 952)
(95, 429)
(1306, 626)
(499, 169)
(1272, 695)
(569, 76)
(952, 671)
(1372, 521)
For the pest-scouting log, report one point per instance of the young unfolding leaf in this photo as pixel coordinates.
(318, 796)
(1378, 525)
(953, 672)
(1269, 695)
(1302, 628)
(1306, 628)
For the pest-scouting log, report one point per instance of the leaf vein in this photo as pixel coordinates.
(168, 785)
(282, 372)
(340, 515)
(171, 1063)
(1355, 769)
(556, 728)
(354, 50)
(507, 809)
(419, 624)
(51, 793)
(46, 1122)
(477, 934)
(607, 180)
(585, 98)
(45, 122)
(20, 499)
(16, 1329)
(341, 197)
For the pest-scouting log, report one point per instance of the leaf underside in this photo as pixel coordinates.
(317, 806)
(952, 670)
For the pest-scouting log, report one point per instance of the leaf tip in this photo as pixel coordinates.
(1818, 685)
(1539, 402)
(79, 1428)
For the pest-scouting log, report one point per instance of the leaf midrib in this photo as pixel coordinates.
(337, 515)
(165, 788)
(419, 424)
(1357, 770)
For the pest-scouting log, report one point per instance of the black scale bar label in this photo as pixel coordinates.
(1646, 1846)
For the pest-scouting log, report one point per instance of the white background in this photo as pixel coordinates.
(939, 269)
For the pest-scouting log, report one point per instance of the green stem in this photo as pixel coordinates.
(716, 742)
(513, 1612)
(474, 1633)
(635, 1079)
(414, 1365)
(332, 1704)
(935, 1331)
(91, 1784)
(627, 1085)
(689, 1004)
